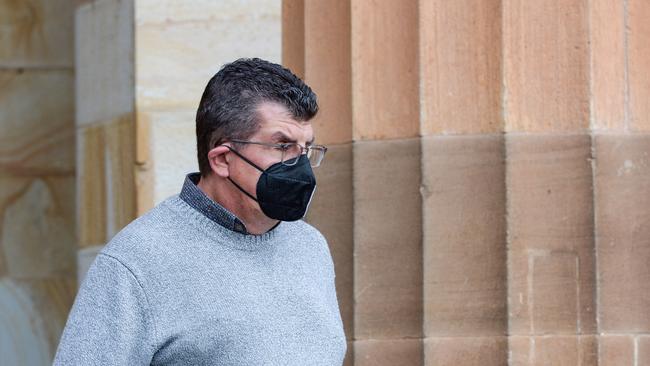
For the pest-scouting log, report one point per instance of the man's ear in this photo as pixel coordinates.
(218, 161)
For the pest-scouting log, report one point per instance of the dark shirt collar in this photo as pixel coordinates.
(195, 197)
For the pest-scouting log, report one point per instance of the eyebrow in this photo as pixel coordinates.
(279, 136)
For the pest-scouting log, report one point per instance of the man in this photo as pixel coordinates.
(224, 273)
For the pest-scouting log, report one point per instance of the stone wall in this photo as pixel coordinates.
(142, 67)
(97, 104)
(37, 178)
(486, 195)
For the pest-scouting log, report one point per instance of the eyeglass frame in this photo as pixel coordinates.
(283, 147)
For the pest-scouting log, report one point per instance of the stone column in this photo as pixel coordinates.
(368, 201)
(533, 119)
(463, 183)
(620, 120)
(551, 262)
(37, 178)
(386, 183)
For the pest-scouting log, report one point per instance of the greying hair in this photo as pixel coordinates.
(228, 107)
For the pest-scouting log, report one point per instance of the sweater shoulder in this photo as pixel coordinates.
(308, 234)
(306, 231)
(142, 238)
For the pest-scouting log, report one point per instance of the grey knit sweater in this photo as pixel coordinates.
(176, 288)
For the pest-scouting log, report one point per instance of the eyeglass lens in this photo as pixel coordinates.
(293, 151)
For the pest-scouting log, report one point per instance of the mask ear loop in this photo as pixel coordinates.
(242, 189)
(249, 162)
(244, 158)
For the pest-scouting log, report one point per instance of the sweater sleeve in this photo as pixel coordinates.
(110, 321)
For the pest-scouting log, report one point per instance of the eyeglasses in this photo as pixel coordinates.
(291, 151)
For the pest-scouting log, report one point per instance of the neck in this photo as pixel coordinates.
(245, 208)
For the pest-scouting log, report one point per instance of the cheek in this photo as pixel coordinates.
(246, 176)
(266, 161)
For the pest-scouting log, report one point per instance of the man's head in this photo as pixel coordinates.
(254, 119)
(233, 101)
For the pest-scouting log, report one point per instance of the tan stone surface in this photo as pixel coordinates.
(172, 150)
(615, 350)
(91, 185)
(639, 63)
(37, 122)
(36, 33)
(460, 51)
(463, 189)
(38, 229)
(82, 2)
(144, 172)
(553, 351)
(519, 349)
(104, 52)
(328, 69)
(85, 258)
(105, 179)
(180, 45)
(465, 351)
(550, 234)
(32, 317)
(331, 213)
(385, 69)
(144, 193)
(554, 292)
(643, 353)
(387, 239)
(120, 146)
(161, 11)
(293, 36)
(608, 67)
(546, 65)
(11, 189)
(37, 177)
(622, 202)
(389, 352)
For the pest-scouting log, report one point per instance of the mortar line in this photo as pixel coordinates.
(578, 312)
(596, 241)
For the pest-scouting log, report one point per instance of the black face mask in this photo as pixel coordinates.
(283, 192)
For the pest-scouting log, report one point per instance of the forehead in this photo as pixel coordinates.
(275, 118)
